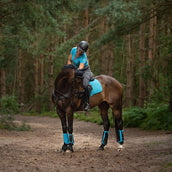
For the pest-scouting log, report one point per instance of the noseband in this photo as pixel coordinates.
(60, 97)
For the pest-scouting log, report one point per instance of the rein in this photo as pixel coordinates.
(76, 92)
(60, 97)
(73, 92)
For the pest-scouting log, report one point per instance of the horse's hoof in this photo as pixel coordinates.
(70, 148)
(101, 148)
(62, 151)
(64, 148)
(120, 148)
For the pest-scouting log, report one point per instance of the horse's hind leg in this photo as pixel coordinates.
(117, 113)
(106, 124)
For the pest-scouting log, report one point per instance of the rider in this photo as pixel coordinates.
(79, 58)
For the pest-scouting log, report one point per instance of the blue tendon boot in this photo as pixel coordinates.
(71, 142)
(120, 137)
(104, 140)
(66, 142)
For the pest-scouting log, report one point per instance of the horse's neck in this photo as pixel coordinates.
(64, 84)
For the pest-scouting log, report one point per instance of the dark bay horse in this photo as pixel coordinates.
(67, 97)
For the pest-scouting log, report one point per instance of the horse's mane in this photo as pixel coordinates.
(70, 66)
(66, 71)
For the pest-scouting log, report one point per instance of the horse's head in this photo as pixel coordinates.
(63, 85)
(68, 88)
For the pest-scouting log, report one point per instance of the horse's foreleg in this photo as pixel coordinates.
(106, 124)
(70, 130)
(62, 117)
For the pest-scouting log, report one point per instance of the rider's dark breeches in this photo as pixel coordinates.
(87, 75)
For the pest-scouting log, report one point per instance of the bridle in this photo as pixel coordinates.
(73, 93)
(63, 96)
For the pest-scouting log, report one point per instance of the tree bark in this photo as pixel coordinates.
(102, 31)
(129, 73)
(150, 52)
(41, 72)
(3, 82)
(142, 89)
(170, 70)
(111, 59)
(106, 48)
(50, 78)
(134, 82)
(20, 78)
(85, 25)
(36, 77)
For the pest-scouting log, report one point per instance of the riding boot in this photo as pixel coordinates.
(87, 96)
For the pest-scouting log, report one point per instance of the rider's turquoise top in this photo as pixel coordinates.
(81, 59)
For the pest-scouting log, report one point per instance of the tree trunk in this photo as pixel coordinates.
(36, 77)
(111, 59)
(150, 53)
(42, 72)
(3, 81)
(20, 79)
(106, 49)
(134, 82)
(85, 25)
(142, 89)
(50, 78)
(170, 70)
(102, 60)
(129, 73)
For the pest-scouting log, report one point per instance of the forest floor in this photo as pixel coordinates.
(39, 149)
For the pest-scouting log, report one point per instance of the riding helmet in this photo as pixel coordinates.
(83, 46)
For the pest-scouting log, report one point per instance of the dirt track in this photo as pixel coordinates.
(38, 149)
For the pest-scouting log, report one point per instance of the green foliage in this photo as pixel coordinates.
(121, 17)
(36, 28)
(133, 117)
(158, 119)
(9, 105)
(154, 118)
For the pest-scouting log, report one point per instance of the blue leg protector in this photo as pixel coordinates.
(65, 138)
(71, 140)
(105, 137)
(121, 137)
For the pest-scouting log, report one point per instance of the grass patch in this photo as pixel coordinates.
(94, 117)
(168, 165)
(152, 118)
(52, 114)
(7, 122)
(154, 143)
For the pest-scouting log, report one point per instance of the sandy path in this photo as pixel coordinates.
(38, 149)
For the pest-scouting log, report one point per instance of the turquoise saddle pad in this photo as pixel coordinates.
(97, 87)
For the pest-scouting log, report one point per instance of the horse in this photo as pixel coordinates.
(68, 95)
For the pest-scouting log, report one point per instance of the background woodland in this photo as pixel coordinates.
(129, 40)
